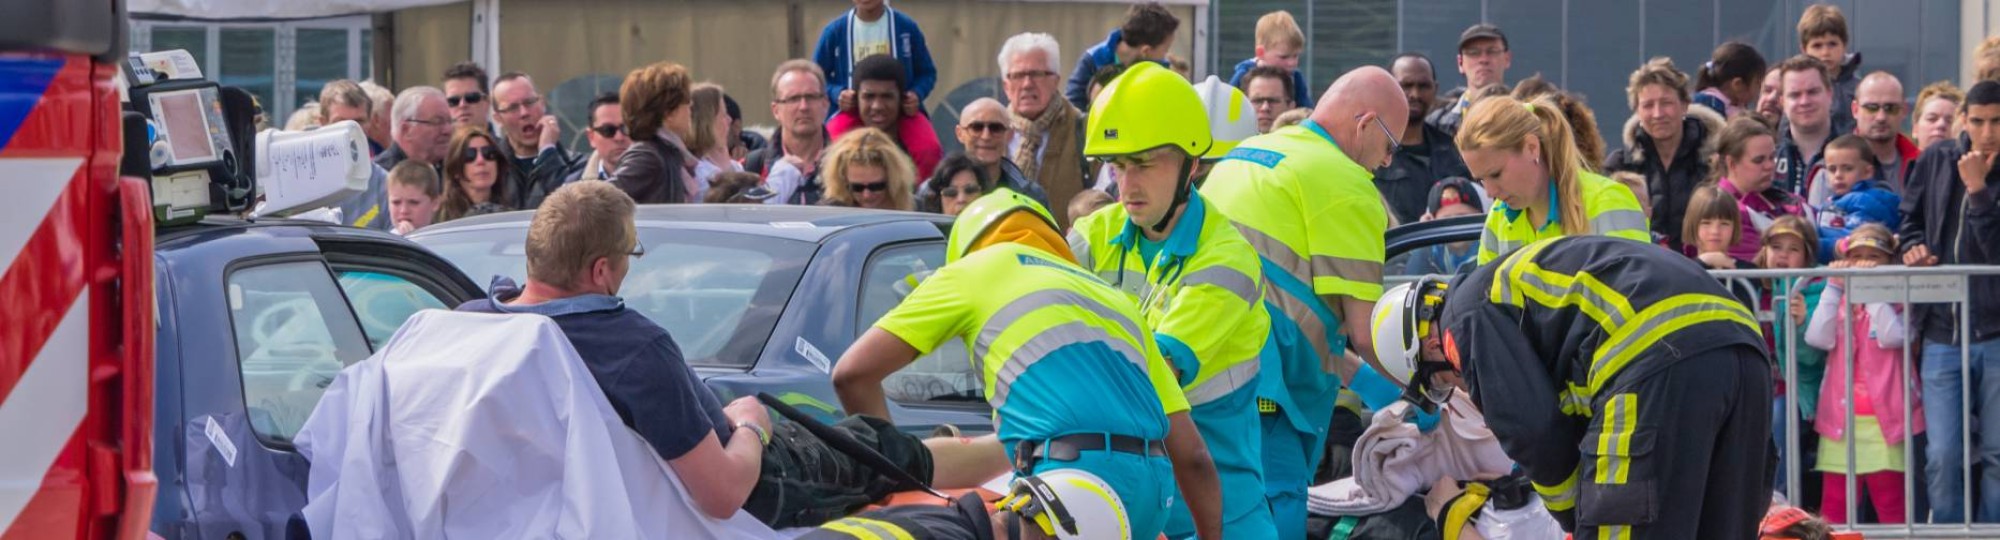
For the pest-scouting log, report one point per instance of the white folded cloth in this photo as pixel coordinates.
(1393, 459)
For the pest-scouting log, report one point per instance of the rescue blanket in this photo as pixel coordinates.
(1394, 458)
(468, 425)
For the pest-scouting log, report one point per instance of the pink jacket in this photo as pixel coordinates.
(915, 133)
(1879, 352)
(1758, 211)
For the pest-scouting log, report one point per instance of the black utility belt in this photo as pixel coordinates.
(1070, 447)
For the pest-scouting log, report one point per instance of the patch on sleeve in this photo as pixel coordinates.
(1267, 158)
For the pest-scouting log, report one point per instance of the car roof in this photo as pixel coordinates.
(795, 222)
(183, 236)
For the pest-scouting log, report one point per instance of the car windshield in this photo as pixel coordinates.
(718, 294)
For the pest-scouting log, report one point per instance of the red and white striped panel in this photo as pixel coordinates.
(44, 345)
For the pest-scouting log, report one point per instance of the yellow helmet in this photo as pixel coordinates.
(1231, 117)
(1147, 107)
(986, 212)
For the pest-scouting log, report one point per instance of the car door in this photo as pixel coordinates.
(943, 387)
(292, 319)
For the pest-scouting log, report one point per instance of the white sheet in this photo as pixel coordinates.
(1393, 459)
(470, 425)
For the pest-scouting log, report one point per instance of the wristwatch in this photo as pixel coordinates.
(763, 437)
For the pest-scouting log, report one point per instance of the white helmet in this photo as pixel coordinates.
(1068, 504)
(1231, 117)
(1399, 323)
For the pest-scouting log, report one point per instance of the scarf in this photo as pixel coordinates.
(688, 162)
(1051, 155)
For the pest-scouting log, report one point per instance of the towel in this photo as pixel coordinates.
(1393, 459)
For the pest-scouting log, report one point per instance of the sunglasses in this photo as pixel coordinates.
(864, 188)
(470, 98)
(487, 152)
(987, 127)
(954, 191)
(608, 130)
(1891, 108)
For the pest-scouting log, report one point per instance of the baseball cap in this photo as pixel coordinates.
(1482, 31)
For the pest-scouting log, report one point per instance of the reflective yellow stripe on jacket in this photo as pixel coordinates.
(1609, 205)
(1627, 333)
(1203, 295)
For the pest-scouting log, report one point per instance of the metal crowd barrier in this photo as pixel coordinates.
(1896, 285)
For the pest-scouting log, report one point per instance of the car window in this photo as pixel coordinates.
(294, 333)
(383, 301)
(1447, 246)
(947, 373)
(717, 294)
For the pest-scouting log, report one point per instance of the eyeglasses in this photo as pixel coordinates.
(1394, 145)
(430, 122)
(987, 127)
(1268, 102)
(469, 98)
(517, 107)
(1481, 53)
(864, 188)
(487, 152)
(638, 249)
(608, 130)
(799, 98)
(1891, 108)
(1020, 76)
(954, 191)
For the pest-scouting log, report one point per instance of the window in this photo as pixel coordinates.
(946, 374)
(717, 294)
(249, 61)
(383, 301)
(321, 58)
(294, 334)
(284, 64)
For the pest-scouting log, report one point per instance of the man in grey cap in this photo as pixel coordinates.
(1483, 56)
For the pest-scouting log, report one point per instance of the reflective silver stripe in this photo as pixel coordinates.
(1321, 265)
(1080, 247)
(1228, 279)
(1348, 269)
(1315, 332)
(1039, 347)
(1612, 313)
(1278, 253)
(1020, 307)
(1229, 380)
(1489, 241)
(1617, 220)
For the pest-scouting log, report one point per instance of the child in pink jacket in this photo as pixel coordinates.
(1882, 387)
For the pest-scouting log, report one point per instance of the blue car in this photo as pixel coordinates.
(255, 320)
(766, 298)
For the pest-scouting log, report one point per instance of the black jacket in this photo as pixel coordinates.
(651, 172)
(542, 176)
(760, 160)
(1669, 187)
(1796, 170)
(1406, 182)
(1958, 229)
(1522, 360)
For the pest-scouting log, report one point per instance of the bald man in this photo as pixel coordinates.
(1879, 112)
(1305, 199)
(985, 128)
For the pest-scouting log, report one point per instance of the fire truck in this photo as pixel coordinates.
(76, 309)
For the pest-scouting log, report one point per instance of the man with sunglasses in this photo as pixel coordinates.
(465, 92)
(1879, 112)
(1638, 406)
(1304, 198)
(607, 140)
(533, 139)
(1195, 278)
(984, 129)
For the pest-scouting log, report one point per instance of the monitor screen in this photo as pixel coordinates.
(191, 123)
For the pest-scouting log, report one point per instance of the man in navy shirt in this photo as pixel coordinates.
(580, 247)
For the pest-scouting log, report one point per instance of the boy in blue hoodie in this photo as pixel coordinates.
(1279, 44)
(1146, 35)
(1858, 194)
(869, 29)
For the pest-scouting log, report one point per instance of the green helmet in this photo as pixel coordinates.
(983, 213)
(1147, 107)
